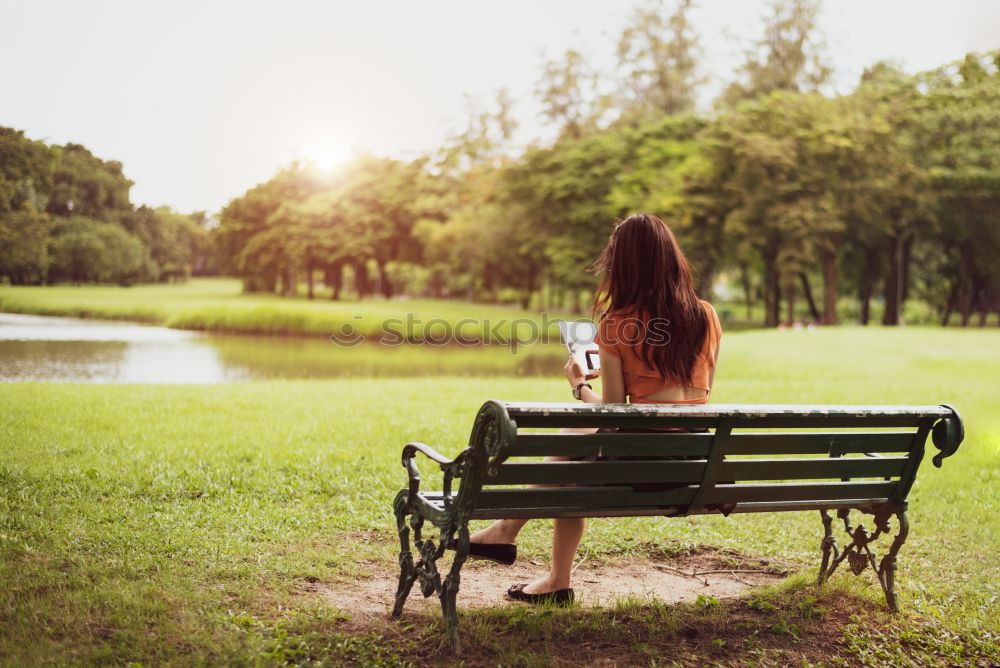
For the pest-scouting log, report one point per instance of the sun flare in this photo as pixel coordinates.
(327, 157)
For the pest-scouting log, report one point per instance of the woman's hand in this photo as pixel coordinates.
(575, 374)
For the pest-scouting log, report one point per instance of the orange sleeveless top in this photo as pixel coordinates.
(620, 335)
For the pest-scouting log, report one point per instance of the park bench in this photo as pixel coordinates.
(727, 458)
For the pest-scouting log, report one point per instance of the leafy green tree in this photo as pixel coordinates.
(755, 154)
(565, 191)
(85, 185)
(383, 197)
(882, 188)
(485, 139)
(569, 90)
(24, 238)
(788, 56)
(960, 147)
(667, 173)
(87, 250)
(172, 238)
(26, 168)
(659, 55)
(248, 242)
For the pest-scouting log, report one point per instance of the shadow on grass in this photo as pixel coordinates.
(792, 623)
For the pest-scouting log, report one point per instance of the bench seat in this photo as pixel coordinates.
(638, 504)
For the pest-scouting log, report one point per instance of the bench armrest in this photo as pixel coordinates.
(410, 450)
(947, 434)
(450, 467)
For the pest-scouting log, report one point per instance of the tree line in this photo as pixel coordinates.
(801, 198)
(66, 216)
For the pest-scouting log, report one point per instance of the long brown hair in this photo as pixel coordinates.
(643, 269)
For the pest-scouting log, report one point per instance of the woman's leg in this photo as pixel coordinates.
(505, 531)
(566, 536)
(501, 531)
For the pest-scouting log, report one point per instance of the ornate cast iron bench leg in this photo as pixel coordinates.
(407, 571)
(828, 545)
(887, 567)
(859, 554)
(449, 590)
(425, 569)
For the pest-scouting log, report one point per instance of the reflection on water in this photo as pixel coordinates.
(42, 348)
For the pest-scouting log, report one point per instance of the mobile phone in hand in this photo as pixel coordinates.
(579, 335)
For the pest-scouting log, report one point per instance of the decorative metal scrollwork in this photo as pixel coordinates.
(493, 435)
(859, 553)
(948, 434)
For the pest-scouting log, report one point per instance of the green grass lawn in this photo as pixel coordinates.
(218, 304)
(176, 524)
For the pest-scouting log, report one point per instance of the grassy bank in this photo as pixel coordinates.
(218, 305)
(179, 524)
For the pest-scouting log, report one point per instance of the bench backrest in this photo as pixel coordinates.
(758, 457)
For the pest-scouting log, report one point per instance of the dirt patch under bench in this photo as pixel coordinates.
(484, 584)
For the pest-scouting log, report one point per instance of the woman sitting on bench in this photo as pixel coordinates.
(658, 344)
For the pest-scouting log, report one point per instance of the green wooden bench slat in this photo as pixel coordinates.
(522, 409)
(611, 445)
(755, 493)
(766, 443)
(636, 511)
(797, 469)
(597, 497)
(806, 443)
(826, 422)
(651, 421)
(622, 421)
(617, 497)
(584, 473)
(435, 500)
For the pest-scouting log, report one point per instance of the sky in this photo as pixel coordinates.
(201, 100)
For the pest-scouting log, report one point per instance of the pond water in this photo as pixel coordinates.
(44, 348)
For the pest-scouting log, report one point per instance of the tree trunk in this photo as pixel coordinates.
(772, 290)
(965, 289)
(747, 287)
(705, 280)
(830, 289)
(867, 287)
(807, 289)
(790, 302)
(361, 283)
(383, 279)
(949, 306)
(310, 278)
(532, 286)
(893, 281)
(905, 270)
(333, 276)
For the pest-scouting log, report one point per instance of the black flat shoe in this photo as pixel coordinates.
(558, 597)
(502, 553)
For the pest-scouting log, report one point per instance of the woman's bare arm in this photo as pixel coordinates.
(612, 380)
